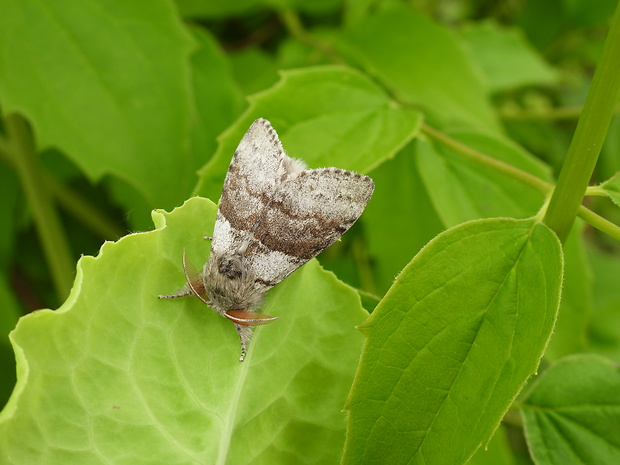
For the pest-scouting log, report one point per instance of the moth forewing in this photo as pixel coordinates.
(274, 215)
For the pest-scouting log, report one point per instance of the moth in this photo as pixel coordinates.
(273, 216)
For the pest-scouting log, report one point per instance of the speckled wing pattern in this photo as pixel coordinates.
(279, 214)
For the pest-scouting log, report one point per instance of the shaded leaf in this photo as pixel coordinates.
(570, 334)
(218, 100)
(507, 59)
(572, 413)
(604, 330)
(462, 190)
(418, 61)
(393, 239)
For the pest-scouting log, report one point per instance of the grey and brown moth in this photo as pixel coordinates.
(274, 215)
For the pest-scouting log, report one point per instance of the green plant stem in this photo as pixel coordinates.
(599, 222)
(588, 138)
(538, 184)
(57, 253)
(485, 160)
(294, 26)
(596, 191)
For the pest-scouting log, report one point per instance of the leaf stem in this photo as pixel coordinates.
(21, 149)
(480, 158)
(529, 179)
(588, 138)
(599, 222)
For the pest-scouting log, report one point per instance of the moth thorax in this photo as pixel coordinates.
(229, 286)
(230, 265)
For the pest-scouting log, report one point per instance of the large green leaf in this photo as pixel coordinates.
(452, 343)
(108, 84)
(117, 376)
(422, 64)
(572, 413)
(326, 116)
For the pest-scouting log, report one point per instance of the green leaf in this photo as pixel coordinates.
(570, 334)
(216, 8)
(462, 190)
(497, 451)
(572, 413)
(107, 84)
(9, 313)
(604, 329)
(612, 188)
(452, 343)
(422, 64)
(254, 70)
(394, 238)
(326, 116)
(118, 376)
(507, 59)
(218, 100)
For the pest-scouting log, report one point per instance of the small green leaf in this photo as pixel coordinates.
(452, 343)
(118, 376)
(108, 84)
(572, 413)
(462, 190)
(422, 64)
(612, 188)
(326, 116)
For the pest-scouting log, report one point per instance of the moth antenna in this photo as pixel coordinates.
(194, 280)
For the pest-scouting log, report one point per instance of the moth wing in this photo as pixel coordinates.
(307, 214)
(256, 171)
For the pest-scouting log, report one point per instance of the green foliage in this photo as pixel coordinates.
(113, 109)
(572, 412)
(468, 318)
(139, 380)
